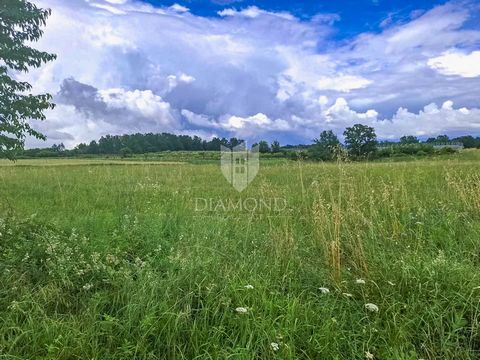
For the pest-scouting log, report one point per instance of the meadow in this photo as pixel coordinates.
(112, 259)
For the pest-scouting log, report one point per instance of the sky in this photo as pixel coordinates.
(272, 70)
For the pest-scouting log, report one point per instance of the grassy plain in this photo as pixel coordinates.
(104, 259)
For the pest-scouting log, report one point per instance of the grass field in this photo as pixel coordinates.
(104, 259)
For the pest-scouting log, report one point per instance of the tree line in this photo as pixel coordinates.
(360, 142)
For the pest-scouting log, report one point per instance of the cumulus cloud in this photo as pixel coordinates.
(125, 66)
(179, 8)
(253, 12)
(83, 110)
(457, 63)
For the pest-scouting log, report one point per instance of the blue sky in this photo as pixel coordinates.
(354, 16)
(260, 70)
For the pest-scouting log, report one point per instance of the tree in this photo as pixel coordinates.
(58, 148)
(468, 141)
(360, 140)
(125, 152)
(20, 23)
(275, 147)
(410, 139)
(234, 142)
(442, 139)
(324, 147)
(263, 147)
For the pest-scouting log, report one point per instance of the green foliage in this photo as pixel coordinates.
(468, 141)
(151, 143)
(117, 264)
(410, 149)
(324, 147)
(20, 23)
(275, 147)
(360, 140)
(125, 152)
(263, 147)
(409, 139)
(440, 139)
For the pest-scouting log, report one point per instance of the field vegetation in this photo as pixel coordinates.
(103, 259)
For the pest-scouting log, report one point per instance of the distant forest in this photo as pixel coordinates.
(126, 145)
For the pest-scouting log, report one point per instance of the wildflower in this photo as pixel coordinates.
(248, 287)
(324, 290)
(275, 346)
(371, 307)
(14, 305)
(360, 281)
(139, 262)
(347, 295)
(241, 310)
(368, 355)
(112, 259)
(87, 287)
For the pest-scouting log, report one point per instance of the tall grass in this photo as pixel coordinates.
(103, 260)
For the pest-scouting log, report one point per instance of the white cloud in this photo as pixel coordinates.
(253, 72)
(179, 8)
(431, 121)
(118, 2)
(253, 12)
(112, 9)
(457, 63)
(102, 35)
(174, 80)
(342, 83)
(144, 103)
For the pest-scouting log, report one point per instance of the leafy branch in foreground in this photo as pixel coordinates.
(20, 22)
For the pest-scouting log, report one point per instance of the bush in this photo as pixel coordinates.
(406, 149)
(445, 151)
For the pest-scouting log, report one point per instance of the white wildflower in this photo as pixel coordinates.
(371, 307)
(139, 262)
(360, 281)
(248, 287)
(324, 290)
(275, 346)
(368, 355)
(241, 310)
(87, 287)
(14, 305)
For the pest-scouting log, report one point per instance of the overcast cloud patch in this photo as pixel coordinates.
(125, 66)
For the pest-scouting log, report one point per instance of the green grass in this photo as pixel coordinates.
(103, 259)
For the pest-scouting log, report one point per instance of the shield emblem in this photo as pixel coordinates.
(240, 166)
